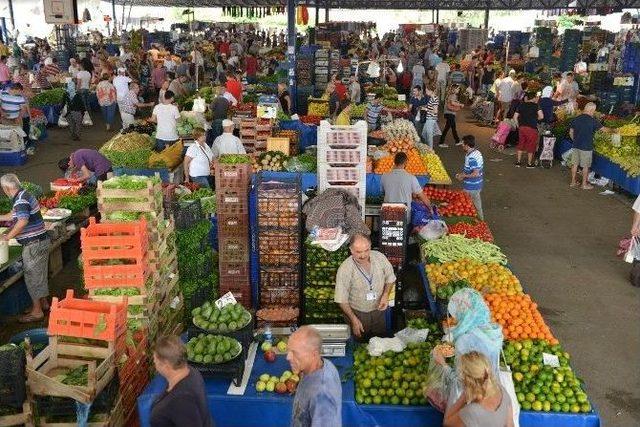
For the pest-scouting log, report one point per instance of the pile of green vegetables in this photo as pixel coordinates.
(186, 125)
(130, 150)
(302, 163)
(234, 159)
(207, 199)
(75, 377)
(130, 182)
(48, 97)
(446, 292)
(230, 318)
(212, 349)
(454, 247)
(78, 202)
(195, 258)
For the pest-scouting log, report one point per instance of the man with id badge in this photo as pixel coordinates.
(363, 284)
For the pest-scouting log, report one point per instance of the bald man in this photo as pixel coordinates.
(318, 399)
(363, 284)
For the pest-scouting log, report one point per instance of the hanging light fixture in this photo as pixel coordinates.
(400, 68)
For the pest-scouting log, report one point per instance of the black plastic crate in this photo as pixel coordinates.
(12, 377)
(186, 214)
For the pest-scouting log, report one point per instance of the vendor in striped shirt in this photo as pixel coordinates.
(472, 176)
(374, 109)
(28, 229)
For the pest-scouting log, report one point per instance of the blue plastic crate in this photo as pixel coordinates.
(13, 158)
(15, 299)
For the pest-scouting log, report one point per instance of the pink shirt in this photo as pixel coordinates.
(5, 74)
(106, 93)
(158, 76)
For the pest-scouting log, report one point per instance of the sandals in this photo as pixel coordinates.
(30, 318)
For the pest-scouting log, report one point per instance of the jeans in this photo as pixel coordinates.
(162, 144)
(428, 131)
(109, 113)
(84, 94)
(450, 124)
(441, 89)
(202, 181)
(477, 201)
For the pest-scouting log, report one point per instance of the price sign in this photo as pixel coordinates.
(550, 360)
(225, 300)
(232, 200)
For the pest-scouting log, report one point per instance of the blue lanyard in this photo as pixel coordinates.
(369, 280)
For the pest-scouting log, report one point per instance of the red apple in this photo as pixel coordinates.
(281, 388)
(270, 356)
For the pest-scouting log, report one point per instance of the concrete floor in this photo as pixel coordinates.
(560, 241)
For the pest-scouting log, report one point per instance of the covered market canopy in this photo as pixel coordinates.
(603, 5)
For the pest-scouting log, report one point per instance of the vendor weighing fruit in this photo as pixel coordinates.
(400, 186)
(363, 284)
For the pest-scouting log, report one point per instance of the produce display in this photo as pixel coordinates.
(542, 387)
(627, 155)
(519, 317)
(48, 97)
(70, 199)
(318, 107)
(75, 377)
(186, 124)
(359, 111)
(231, 317)
(415, 164)
(486, 278)
(206, 196)
(274, 161)
(401, 129)
(207, 349)
(302, 163)
(435, 168)
(392, 378)
(451, 202)
(446, 292)
(286, 383)
(234, 159)
(141, 126)
(194, 263)
(399, 144)
(311, 119)
(478, 230)
(130, 150)
(455, 247)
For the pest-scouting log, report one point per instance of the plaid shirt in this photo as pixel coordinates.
(128, 103)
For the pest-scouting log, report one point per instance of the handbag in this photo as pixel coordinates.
(86, 119)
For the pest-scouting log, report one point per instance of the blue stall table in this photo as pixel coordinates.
(270, 409)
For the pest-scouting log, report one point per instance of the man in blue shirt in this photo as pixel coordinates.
(374, 109)
(583, 129)
(473, 174)
(318, 399)
(28, 229)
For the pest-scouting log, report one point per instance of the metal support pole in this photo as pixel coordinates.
(13, 22)
(326, 14)
(113, 12)
(291, 51)
(486, 19)
(437, 16)
(433, 16)
(317, 14)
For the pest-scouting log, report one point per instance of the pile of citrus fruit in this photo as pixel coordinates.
(519, 317)
(486, 278)
(437, 172)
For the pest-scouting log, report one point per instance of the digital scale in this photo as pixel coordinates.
(334, 339)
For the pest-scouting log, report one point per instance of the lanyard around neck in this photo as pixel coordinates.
(368, 279)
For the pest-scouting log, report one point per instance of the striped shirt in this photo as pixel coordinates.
(432, 108)
(473, 161)
(373, 113)
(11, 104)
(25, 206)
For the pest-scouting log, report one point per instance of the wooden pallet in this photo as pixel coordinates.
(24, 418)
(43, 368)
(128, 200)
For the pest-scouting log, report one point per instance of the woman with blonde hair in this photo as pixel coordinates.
(484, 402)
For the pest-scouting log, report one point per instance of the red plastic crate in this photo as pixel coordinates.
(242, 293)
(116, 276)
(81, 318)
(232, 176)
(234, 270)
(109, 241)
(232, 201)
(233, 224)
(233, 249)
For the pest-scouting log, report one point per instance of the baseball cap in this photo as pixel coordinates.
(226, 123)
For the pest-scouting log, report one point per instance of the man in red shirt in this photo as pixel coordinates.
(224, 48)
(234, 86)
(341, 89)
(251, 68)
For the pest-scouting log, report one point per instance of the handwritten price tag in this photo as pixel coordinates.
(225, 300)
(550, 360)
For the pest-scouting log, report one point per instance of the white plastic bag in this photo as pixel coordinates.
(199, 105)
(409, 335)
(62, 121)
(433, 230)
(86, 119)
(631, 252)
(378, 345)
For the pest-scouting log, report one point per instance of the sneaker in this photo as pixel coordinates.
(459, 143)
(530, 166)
(518, 164)
(443, 145)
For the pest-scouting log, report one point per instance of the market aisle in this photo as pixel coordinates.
(561, 243)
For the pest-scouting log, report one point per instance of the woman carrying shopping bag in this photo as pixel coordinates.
(107, 99)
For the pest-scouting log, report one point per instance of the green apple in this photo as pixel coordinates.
(286, 375)
(271, 385)
(266, 346)
(265, 378)
(295, 378)
(282, 346)
(274, 379)
(260, 386)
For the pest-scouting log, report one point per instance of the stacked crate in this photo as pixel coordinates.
(254, 133)
(86, 335)
(279, 244)
(327, 63)
(232, 183)
(544, 42)
(304, 69)
(161, 274)
(342, 159)
(320, 268)
(470, 38)
(570, 49)
(15, 408)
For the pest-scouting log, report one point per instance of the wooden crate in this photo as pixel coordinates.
(128, 200)
(23, 418)
(43, 368)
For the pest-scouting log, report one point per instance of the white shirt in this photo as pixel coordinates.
(201, 157)
(121, 84)
(73, 70)
(443, 70)
(85, 79)
(197, 58)
(636, 205)
(166, 116)
(227, 143)
(229, 97)
(505, 90)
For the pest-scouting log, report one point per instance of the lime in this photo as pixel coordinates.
(373, 392)
(566, 407)
(377, 400)
(526, 405)
(530, 397)
(395, 400)
(575, 408)
(536, 406)
(520, 397)
(366, 383)
(546, 406)
(556, 407)
(585, 407)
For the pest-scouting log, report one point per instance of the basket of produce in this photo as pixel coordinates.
(216, 356)
(274, 161)
(12, 376)
(277, 316)
(231, 320)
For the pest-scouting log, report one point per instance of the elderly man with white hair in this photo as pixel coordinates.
(121, 83)
(28, 229)
(583, 129)
(227, 143)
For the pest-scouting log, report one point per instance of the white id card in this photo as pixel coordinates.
(372, 296)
